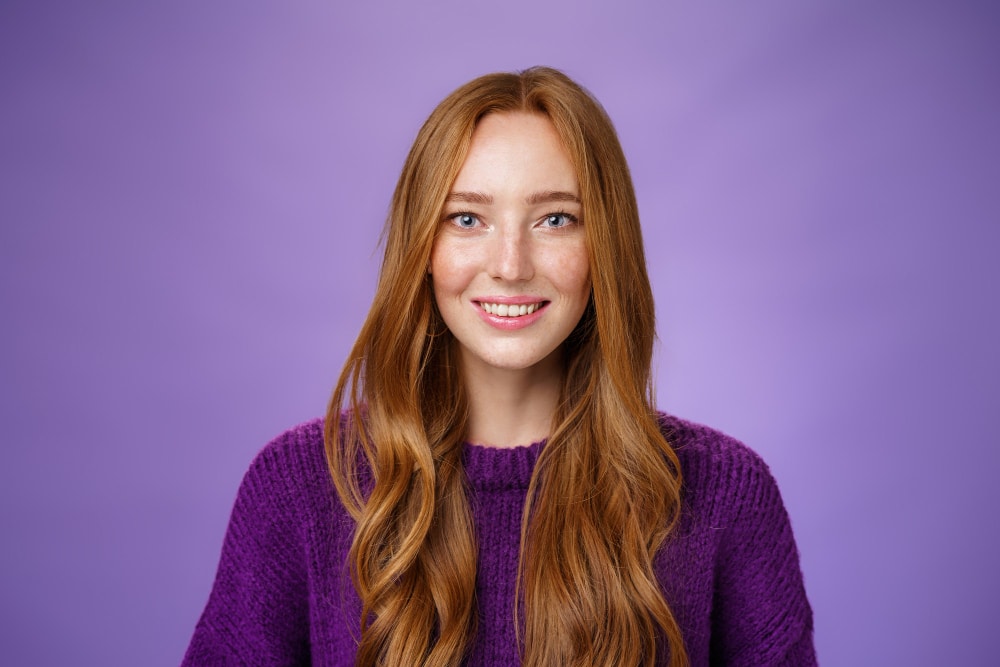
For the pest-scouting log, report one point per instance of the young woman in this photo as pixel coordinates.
(492, 484)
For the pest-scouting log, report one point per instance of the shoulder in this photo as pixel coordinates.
(295, 452)
(734, 523)
(258, 610)
(698, 445)
(724, 481)
(289, 475)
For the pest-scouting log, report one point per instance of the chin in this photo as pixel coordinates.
(518, 361)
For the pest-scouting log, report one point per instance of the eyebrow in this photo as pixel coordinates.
(552, 196)
(470, 198)
(545, 197)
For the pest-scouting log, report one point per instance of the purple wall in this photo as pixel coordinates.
(190, 199)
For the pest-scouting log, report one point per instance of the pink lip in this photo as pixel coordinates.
(510, 323)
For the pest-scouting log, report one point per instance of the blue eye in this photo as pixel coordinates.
(465, 220)
(557, 220)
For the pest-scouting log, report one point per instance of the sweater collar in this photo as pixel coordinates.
(499, 468)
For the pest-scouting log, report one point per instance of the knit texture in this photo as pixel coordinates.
(283, 595)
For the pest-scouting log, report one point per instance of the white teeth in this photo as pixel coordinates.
(509, 310)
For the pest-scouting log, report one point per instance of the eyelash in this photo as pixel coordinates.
(570, 218)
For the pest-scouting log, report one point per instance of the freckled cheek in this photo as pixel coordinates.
(569, 271)
(451, 269)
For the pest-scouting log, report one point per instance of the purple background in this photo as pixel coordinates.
(191, 195)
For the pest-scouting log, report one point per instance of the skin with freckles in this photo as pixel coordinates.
(511, 239)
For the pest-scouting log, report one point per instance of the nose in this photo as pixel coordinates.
(510, 255)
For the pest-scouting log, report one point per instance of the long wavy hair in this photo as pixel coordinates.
(605, 492)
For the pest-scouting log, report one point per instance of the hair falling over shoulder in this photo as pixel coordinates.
(606, 489)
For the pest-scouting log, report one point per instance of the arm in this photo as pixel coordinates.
(257, 612)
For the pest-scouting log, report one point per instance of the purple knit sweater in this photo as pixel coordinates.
(282, 595)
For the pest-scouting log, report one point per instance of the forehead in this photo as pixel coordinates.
(516, 151)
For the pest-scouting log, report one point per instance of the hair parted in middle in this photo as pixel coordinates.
(605, 492)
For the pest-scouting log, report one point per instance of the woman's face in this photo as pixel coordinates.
(509, 266)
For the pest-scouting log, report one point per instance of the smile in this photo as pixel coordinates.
(511, 309)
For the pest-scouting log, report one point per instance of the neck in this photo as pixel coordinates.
(508, 408)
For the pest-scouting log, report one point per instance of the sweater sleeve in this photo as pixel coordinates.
(257, 612)
(760, 615)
